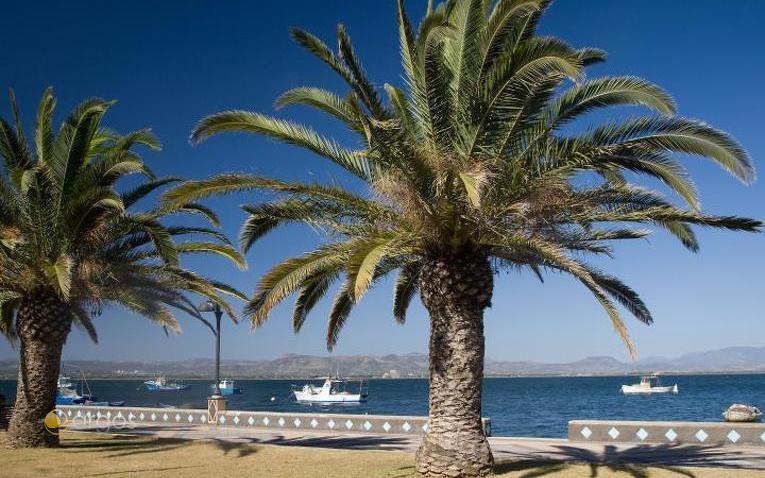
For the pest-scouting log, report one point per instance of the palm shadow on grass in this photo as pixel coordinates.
(341, 442)
(122, 445)
(241, 449)
(144, 470)
(129, 445)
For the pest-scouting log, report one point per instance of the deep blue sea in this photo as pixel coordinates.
(539, 407)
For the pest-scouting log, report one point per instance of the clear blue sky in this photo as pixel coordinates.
(171, 63)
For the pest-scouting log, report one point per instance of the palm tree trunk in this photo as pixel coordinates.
(456, 290)
(43, 322)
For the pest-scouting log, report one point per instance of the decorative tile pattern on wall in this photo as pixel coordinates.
(116, 418)
(718, 433)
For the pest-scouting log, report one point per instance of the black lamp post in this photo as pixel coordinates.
(211, 307)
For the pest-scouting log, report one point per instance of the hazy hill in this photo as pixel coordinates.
(732, 359)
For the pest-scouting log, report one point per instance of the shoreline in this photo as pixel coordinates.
(198, 378)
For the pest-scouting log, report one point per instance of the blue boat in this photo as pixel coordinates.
(227, 388)
(66, 393)
(160, 384)
(67, 396)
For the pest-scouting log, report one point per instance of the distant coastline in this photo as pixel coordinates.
(197, 378)
(731, 360)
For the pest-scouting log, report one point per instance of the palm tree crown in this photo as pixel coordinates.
(473, 157)
(66, 232)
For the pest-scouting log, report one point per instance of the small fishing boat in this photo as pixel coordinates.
(332, 391)
(649, 384)
(227, 387)
(65, 391)
(160, 384)
(64, 382)
(739, 412)
(67, 396)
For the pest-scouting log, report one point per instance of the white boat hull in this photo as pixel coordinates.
(305, 397)
(640, 390)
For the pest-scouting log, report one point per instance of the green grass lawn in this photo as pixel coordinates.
(101, 455)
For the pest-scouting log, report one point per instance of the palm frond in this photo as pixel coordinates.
(404, 291)
(286, 131)
(223, 250)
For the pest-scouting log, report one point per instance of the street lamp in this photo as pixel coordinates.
(209, 306)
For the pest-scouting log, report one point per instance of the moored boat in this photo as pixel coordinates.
(64, 382)
(227, 387)
(649, 384)
(739, 412)
(161, 384)
(65, 391)
(68, 396)
(332, 391)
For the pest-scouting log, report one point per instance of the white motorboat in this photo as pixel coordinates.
(161, 384)
(742, 413)
(64, 382)
(649, 384)
(332, 391)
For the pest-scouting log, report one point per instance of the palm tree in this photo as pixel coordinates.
(69, 246)
(470, 169)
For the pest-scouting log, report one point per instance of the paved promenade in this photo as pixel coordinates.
(505, 448)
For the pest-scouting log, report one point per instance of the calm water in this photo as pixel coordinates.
(538, 407)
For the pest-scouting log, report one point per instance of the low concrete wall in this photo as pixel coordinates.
(116, 418)
(697, 433)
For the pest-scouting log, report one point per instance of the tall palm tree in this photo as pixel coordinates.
(469, 169)
(69, 245)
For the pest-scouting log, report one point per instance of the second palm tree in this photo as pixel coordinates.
(468, 170)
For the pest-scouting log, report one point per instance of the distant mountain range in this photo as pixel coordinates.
(728, 360)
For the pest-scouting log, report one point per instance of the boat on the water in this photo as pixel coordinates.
(739, 412)
(67, 393)
(161, 384)
(64, 382)
(227, 387)
(649, 384)
(334, 390)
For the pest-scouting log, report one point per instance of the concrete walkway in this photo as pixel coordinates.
(505, 448)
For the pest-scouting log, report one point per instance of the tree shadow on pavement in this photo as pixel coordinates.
(664, 455)
(633, 461)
